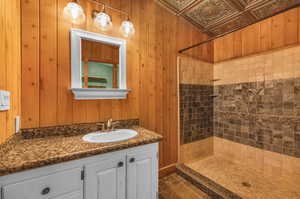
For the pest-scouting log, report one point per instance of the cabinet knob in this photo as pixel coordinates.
(45, 191)
(132, 160)
(120, 164)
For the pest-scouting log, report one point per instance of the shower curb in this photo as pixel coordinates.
(214, 190)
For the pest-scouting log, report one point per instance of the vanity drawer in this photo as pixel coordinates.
(49, 186)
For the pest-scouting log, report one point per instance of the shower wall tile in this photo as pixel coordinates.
(195, 71)
(194, 150)
(196, 112)
(263, 114)
(269, 163)
(271, 65)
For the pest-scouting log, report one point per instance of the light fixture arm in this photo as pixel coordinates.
(109, 7)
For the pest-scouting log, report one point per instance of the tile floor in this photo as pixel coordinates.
(176, 187)
(245, 181)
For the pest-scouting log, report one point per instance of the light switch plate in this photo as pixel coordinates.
(4, 100)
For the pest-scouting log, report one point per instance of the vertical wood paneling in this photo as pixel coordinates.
(188, 35)
(275, 32)
(291, 27)
(172, 109)
(298, 24)
(218, 49)
(64, 97)
(265, 32)
(159, 80)
(147, 64)
(10, 70)
(48, 62)
(30, 63)
(3, 56)
(13, 63)
(237, 44)
(228, 43)
(250, 39)
(133, 74)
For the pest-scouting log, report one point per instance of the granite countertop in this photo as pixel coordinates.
(19, 154)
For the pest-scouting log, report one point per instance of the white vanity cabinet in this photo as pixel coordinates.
(63, 184)
(142, 175)
(126, 174)
(106, 179)
(129, 175)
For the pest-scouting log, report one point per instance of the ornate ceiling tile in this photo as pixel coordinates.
(208, 12)
(247, 2)
(220, 16)
(176, 5)
(272, 7)
(236, 22)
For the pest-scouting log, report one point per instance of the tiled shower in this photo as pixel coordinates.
(196, 104)
(243, 124)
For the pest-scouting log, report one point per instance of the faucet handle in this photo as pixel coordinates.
(115, 124)
(109, 123)
(102, 126)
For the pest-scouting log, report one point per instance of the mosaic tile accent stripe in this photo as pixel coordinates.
(196, 112)
(265, 114)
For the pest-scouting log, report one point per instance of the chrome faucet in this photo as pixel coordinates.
(110, 125)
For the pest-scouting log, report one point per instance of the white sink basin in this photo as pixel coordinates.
(111, 136)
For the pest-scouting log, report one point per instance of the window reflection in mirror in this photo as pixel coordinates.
(100, 65)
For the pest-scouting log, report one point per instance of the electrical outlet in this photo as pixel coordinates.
(18, 122)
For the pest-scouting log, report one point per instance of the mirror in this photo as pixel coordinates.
(98, 66)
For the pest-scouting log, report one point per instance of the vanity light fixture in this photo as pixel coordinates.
(127, 28)
(102, 20)
(74, 12)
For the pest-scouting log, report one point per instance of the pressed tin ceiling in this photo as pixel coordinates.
(220, 16)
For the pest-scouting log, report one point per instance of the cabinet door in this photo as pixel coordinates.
(106, 179)
(55, 185)
(142, 177)
(73, 195)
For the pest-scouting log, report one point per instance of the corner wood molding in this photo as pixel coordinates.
(167, 170)
(96, 93)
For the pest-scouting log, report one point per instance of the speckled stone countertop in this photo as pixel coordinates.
(19, 154)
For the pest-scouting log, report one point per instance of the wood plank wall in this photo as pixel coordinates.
(151, 68)
(10, 68)
(275, 32)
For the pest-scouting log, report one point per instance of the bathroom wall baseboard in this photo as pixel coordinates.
(167, 170)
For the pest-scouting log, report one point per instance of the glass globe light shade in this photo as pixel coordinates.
(127, 28)
(103, 21)
(74, 12)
